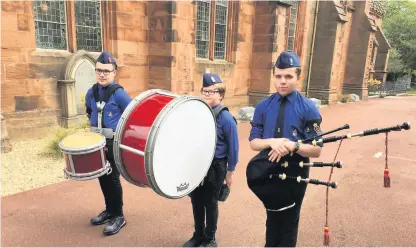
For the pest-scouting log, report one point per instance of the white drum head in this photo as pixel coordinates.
(182, 144)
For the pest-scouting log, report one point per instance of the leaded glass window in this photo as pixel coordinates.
(207, 20)
(88, 25)
(50, 24)
(53, 25)
(292, 25)
(202, 29)
(220, 28)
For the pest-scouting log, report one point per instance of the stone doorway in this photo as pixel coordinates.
(78, 75)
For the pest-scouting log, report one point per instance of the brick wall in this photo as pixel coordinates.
(325, 53)
(26, 76)
(161, 35)
(346, 30)
(237, 75)
(32, 124)
(130, 47)
(270, 39)
(359, 52)
(29, 98)
(29, 75)
(305, 31)
(265, 31)
(154, 43)
(184, 51)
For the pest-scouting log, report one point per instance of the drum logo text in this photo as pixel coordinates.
(182, 187)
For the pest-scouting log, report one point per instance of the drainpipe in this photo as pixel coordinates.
(312, 47)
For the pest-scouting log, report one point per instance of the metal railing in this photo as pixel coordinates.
(388, 88)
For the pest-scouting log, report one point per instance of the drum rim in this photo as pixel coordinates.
(121, 126)
(89, 175)
(154, 131)
(84, 150)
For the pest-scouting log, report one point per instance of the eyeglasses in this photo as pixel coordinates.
(105, 72)
(209, 92)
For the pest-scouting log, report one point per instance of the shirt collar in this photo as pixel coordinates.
(216, 106)
(100, 87)
(291, 97)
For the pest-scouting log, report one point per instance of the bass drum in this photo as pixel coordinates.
(166, 142)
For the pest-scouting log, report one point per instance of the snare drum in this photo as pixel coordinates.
(84, 156)
(165, 142)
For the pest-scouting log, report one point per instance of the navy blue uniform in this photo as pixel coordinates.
(301, 115)
(205, 197)
(113, 109)
(227, 139)
(110, 184)
(281, 198)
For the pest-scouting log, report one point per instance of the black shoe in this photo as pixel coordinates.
(210, 243)
(115, 225)
(195, 241)
(102, 218)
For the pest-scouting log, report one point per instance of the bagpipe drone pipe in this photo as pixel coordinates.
(260, 169)
(313, 141)
(374, 131)
(279, 184)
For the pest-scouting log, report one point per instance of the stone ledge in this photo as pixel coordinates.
(36, 113)
(213, 62)
(50, 53)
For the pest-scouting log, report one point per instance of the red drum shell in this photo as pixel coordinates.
(165, 142)
(135, 133)
(85, 163)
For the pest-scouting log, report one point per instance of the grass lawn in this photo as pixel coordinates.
(411, 92)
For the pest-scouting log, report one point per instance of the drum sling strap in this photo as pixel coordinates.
(102, 101)
(217, 111)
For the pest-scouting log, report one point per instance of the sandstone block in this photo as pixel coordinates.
(128, 20)
(134, 59)
(10, 55)
(128, 47)
(34, 86)
(8, 22)
(13, 6)
(132, 34)
(247, 8)
(23, 22)
(23, 39)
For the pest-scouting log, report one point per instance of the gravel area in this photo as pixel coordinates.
(27, 167)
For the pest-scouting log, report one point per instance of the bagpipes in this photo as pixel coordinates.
(260, 170)
(314, 164)
(320, 141)
(405, 126)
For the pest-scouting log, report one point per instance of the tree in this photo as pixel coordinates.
(399, 26)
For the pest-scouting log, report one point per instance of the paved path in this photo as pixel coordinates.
(362, 211)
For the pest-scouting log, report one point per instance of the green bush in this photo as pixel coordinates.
(52, 147)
